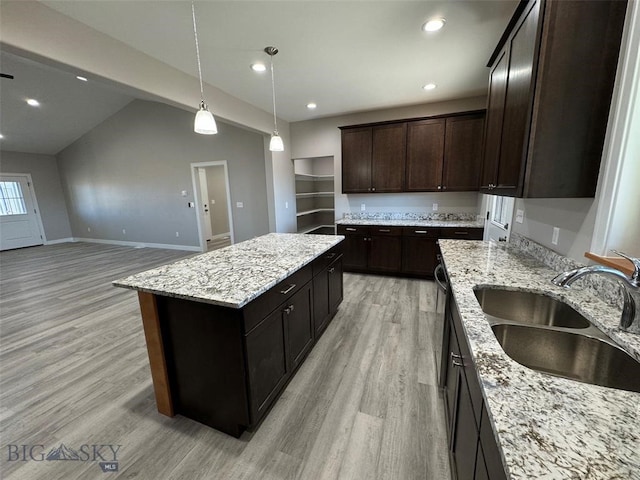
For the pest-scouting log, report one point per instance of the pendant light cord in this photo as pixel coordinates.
(195, 34)
(273, 95)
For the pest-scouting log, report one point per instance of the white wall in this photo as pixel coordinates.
(33, 30)
(46, 183)
(321, 138)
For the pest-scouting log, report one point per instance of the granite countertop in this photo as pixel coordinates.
(235, 275)
(547, 427)
(413, 223)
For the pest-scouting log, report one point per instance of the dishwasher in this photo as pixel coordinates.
(442, 283)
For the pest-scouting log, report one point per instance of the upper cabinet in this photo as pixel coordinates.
(550, 88)
(421, 155)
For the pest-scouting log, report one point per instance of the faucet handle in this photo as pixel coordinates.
(636, 263)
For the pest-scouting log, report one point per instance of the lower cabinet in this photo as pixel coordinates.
(411, 251)
(227, 366)
(473, 450)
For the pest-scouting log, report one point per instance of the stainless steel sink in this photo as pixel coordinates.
(530, 308)
(571, 355)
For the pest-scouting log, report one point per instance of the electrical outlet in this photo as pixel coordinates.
(183, 193)
(212, 202)
(88, 229)
(435, 207)
(363, 207)
(519, 216)
(286, 204)
(177, 234)
(556, 234)
(124, 232)
(239, 204)
(191, 204)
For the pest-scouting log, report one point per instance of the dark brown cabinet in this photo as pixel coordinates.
(327, 291)
(356, 251)
(418, 155)
(373, 158)
(550, 89)
(385, 249)
(474, 452)
(298, 320)
(419, 250)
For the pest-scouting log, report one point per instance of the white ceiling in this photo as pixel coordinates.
(346, 56)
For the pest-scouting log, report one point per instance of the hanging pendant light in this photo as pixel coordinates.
(204, 122)
(275, 145)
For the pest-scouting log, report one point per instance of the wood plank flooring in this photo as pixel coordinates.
(74, 370)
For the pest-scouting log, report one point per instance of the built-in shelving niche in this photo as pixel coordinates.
(315, 195)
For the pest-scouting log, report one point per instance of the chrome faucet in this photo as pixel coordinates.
(630, 291)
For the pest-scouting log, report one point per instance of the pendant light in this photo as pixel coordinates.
(275, 145)
(204, 122)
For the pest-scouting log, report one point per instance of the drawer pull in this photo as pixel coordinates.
(289, 309)
(351, 229)
(461, 233)
(331, 270)
(291, 287)
(458, 364)
(384, 230)
(419, 231)
(330, 256)
(456, 356)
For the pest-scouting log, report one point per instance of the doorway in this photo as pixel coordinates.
(498, 218)
(20, 222)
(213, 204)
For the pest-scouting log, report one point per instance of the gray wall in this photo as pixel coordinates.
(217, 188)
(128, 174)
(321, 138)
(46, 182)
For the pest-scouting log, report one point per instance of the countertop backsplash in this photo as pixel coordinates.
(604, 288)
(440, 217)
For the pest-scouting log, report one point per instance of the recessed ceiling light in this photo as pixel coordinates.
(33, 102)
(433, 25)
(1, 136)
(311, 106)
(79, 77)
(429, 86)
(258, 67)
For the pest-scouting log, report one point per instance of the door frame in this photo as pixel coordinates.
(34, 199)
(195, 178)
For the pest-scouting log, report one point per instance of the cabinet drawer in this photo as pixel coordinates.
(325, 259)
(426, 232)
(353, 230)
(390, 231)
(462, 233)
(258, 309)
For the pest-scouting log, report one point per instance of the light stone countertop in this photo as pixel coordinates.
(235, 275)
(547, 427)
(413, 223)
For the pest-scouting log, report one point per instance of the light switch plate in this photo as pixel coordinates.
(239, 204)
(363, 207)
(434, 207)
(183, 193)
(519, 216)
(555, 236)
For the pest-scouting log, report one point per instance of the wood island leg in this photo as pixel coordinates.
(155, 349)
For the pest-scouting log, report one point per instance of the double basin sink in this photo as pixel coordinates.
(547, 335)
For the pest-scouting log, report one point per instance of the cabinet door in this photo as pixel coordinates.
(419, 255)
(388, 157)
(298, 318)
(465, 433)
(356, 160)
(385, 253)
(493, 124)
(491, 459)
(334, 273)
(463, 153)
(425, 155)
(266, 363)
(519, 98)
(355, 252)
(320, 301)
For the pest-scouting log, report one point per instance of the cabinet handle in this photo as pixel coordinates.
(439, 187)
(331, 255)
(458, 364)
(419, 231)
(351, 229)
(289, 309)
(456, 356)
(461, 233)
(384, 230)
(369, 189)
(444, 187)
(373, 189)
(331, 270)
(291, 287)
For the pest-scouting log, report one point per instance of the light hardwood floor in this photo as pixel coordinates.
(74, 370)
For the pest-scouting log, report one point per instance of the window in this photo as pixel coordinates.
(501, 211)
(11, 199)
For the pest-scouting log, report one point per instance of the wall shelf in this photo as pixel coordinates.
(315, 210)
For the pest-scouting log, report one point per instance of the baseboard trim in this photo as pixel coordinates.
(221, 235)
(167, 246)
(59, 240)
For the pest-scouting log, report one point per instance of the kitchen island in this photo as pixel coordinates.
(226, 330)
(532, 424)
